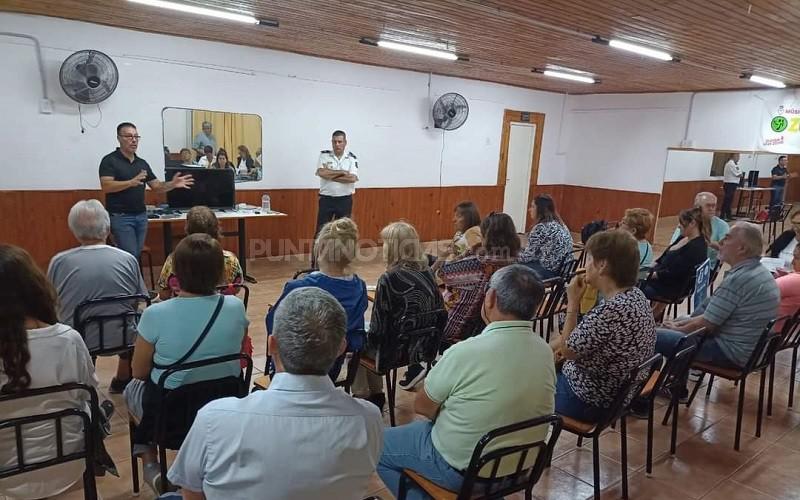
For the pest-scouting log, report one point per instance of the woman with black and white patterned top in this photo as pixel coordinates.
(613, 338)
(549, 242)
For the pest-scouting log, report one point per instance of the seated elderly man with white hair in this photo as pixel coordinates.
(740, 308)
(94, 270)
(719, 228)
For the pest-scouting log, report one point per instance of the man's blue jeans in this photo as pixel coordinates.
(777, 195)
(129, 231)
(410, 447)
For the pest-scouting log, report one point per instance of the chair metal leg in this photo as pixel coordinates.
(739, 411)
(391, 390)
(674, 437)
(771, 384)
(162, 463)
(596, 465)
(402, 490)
(580, 441)
(624, 455)
(134, 461)
(649, 467)
(792, 377)
(710, 385)
(696, 388)
(759, 417)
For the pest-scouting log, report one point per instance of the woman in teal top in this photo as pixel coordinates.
(168, 330)
(638, 222)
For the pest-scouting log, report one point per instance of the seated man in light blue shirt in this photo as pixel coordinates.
(302, 438)
(742, 305)
(503, 376)
(719, 228)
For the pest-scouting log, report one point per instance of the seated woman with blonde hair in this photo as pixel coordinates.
(335, 248)
(406, 290)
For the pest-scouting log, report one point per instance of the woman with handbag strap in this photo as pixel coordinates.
(198, 324)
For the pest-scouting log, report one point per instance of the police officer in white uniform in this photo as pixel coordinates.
(337, 170)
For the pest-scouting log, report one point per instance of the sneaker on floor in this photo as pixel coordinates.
(152, 476)
(117, 386)
(639, 409)
(414, 375)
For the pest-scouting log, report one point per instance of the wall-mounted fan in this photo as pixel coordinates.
(450, 111)
(88, 76)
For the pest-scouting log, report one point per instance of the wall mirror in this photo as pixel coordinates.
(201, 138)
(688, 172)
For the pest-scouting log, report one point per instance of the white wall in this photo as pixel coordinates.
(300, 99)
(621, 141)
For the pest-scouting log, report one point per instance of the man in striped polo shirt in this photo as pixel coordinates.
(738, 311)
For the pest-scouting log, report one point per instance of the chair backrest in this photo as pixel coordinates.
(677, 364)
(579, 254)
(554, 289)
(785, 211)
(790, 332)
(418, 334)
(185, 401)
(629, 389)
(302, 272)
(568, 267)
(57, 416)
(236, 289)
(90, 314)
(764, 350)
(523, 478)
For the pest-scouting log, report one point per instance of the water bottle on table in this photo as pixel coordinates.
(265, 208)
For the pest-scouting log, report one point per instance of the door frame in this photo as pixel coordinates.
(537, 119)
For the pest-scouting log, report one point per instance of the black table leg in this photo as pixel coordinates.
(243, 249)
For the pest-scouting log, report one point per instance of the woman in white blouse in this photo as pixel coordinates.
(38, 351)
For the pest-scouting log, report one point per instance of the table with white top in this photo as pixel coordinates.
(241, 217)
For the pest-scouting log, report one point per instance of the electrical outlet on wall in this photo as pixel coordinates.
(45, 106)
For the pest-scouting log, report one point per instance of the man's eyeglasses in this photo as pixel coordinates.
(131, 137)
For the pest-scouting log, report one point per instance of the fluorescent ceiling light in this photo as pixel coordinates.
(638, 49)
(191, 9)
(767, 81)
(568, 76)
(414, 49)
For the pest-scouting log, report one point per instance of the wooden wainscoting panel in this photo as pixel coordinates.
(37, 220)
(579, 205)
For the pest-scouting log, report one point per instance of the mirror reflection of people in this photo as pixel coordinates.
(207, 159)
(245, 165)
(187, 157)
(222, 160)
(731, 176)
(122, 179)
(258, 157)
(204, 138)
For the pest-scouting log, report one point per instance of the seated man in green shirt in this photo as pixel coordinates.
(502, 376)
(719, 228)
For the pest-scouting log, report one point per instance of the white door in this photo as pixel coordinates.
(518, 172)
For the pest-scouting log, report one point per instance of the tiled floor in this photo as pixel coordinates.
(704, 466)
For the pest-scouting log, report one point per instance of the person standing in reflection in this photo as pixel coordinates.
(222, 160)
(207, 159)
(731, 176)
(122, 179)
(204, 138)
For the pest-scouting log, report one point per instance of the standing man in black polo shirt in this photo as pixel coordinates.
(779, 175)
(122, 178)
